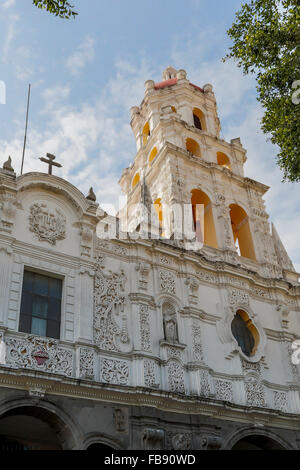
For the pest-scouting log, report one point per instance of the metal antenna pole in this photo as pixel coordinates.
(25, 136)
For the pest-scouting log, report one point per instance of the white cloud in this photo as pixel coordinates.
(8, 4)
(83, 55)
(11, 32)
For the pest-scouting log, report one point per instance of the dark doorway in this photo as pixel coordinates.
(257, 443)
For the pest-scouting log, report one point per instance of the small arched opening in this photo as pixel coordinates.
(204, 216)
(152, 155)
(193, 147)
(146, 133)
(159, 211)
(135, 180)
(199, 119)
(241, 231)
(223, 160)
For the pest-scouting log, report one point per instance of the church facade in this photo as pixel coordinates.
(119, 333)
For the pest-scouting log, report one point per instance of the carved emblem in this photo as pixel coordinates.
(47, 225)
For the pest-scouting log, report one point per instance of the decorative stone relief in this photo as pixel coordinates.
(175, 377)
(173, 352)
(143, 269)
(205, 383)
(108, 303)
(237, 298)
(197, 346)
(120, 419)
(145, 334)
(193, 286)
(8, 206)
(211, 442)
(86, 363)
(280, 400)
(150, 374)
(223, 390)
(167, 282)
(179, 441)
(255, 395)
(86, 233)
(208, 277)
(110, 246)
(114, 371)
(164, 260)
(48, 225)
(37, 353)
(153, 439)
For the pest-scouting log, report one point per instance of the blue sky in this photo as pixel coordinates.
(86, 74)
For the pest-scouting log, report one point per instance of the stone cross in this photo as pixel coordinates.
(50, 162)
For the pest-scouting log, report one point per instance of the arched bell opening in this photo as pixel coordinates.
(241, 231)
(203, 215)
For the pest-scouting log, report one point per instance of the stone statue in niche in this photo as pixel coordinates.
(170, 324)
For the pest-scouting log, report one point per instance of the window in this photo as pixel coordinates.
(223, 160)
(41, 305)
(241, 231)
(193, 147)
(199, 119)
(146, 133)
(204, 222)
(152, 154)
(242, 333)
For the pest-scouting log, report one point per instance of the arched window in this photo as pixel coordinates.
(245, 333)
(208, 231)
(158, 208)
(146, 133)
(241, 231)
(193, 147)
(153, 154)
(199, 119)
(223, 160)
(135, 180)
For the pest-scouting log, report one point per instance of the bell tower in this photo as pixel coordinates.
(181, 159)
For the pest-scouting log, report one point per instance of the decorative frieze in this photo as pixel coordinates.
(145, 335)
(197, 344)
(114, 371)
(33, 352)
(223, 390)
(175, 377)
(150, 374)
(86, 363)
(255, 395)
(280, 400)
(108, 303)
(238, 298)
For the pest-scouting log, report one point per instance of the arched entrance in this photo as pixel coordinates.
(257, 442)
(33, 428)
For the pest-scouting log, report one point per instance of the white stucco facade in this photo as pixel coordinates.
(121, 297)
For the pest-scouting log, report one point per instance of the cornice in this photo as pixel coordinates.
(139, 396)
